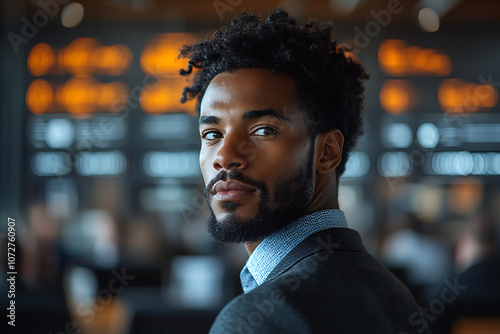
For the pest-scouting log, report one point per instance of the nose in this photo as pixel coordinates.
(233, 153)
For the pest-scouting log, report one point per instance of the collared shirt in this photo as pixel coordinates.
(277, 245)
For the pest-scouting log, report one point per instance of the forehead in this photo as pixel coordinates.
(246, 89)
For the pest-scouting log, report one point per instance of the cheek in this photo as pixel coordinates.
(277, 162)
(204, 164)
(290, 153)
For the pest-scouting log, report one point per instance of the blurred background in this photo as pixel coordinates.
(99, 160)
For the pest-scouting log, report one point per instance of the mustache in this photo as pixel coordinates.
(237, 176)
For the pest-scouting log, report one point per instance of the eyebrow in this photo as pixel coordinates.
(209, 120)
(248, 115)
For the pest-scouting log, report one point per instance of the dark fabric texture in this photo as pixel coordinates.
(327, 284)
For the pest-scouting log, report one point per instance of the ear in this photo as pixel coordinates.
(329, 145)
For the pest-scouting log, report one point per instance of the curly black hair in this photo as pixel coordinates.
(329, 79)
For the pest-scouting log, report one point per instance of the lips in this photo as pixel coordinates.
(231, 190)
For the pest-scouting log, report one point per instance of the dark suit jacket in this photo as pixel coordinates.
(327, 284)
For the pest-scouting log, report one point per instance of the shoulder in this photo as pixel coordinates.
(263, 310)
(327, 284)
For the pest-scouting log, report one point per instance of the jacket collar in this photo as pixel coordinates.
(330, 240)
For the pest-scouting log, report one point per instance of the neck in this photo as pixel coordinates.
(250, 246)
(325, 195)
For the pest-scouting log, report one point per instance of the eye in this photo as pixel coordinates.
(211, 135)
(265, 131)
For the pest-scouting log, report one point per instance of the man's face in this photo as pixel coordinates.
(256, 156)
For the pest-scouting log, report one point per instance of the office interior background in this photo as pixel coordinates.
(99, 172)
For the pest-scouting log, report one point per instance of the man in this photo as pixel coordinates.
(280, 110)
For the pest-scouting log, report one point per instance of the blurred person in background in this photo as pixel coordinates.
(39, 298)
(477, 264)
(413, 249)
(280, 110)
(39, 240)
(143, 244)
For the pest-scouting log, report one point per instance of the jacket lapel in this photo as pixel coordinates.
(331, 240)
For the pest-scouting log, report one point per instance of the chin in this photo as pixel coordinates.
(233, 228)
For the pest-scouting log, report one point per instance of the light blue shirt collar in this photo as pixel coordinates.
(277, 245)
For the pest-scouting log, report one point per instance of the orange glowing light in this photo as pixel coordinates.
(159, 58)
(78, 56)
(488, 95)
(39, 96)
(457, 96)
(112, 60)
(59, 67)
(112, 96)
(391, 57)
(40, 59)
(440, 64)
(164, 98)
(396, 96)
(83, 95)
(447, 94)
(83, 56)
(78, 95)
(397, 58)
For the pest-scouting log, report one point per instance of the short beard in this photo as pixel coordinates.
(291, 198)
